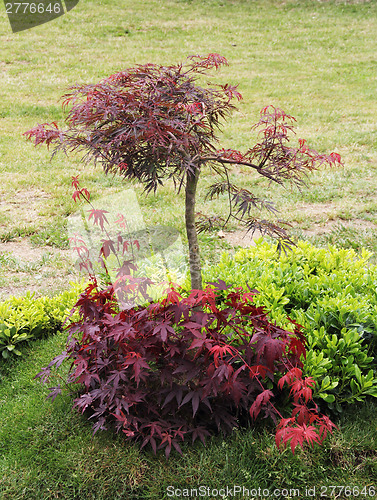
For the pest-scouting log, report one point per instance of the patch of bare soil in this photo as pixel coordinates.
(242, 238)
(49, 286)
(314, 211)
(24, 206)
(24, 251)
(246, 239)
(23, 267)
(317, 210)
(43, 270)
(329, 226)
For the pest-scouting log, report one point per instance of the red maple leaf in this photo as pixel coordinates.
(261, 400)
(268, 348)
(297, 435)
(99, 217)
(75, 181)
(218, 352)
(289, 377)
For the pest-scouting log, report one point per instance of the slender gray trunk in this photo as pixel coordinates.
(192, 236)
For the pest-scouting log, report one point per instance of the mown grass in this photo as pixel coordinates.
(316, 60)
(47, 450)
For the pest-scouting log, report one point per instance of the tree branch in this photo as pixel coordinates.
(205, 159)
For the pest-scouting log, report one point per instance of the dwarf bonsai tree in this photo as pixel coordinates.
(151, 123)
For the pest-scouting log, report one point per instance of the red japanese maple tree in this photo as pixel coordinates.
(151, 123)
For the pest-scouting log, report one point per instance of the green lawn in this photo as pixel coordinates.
(47, 451)
(316, 60)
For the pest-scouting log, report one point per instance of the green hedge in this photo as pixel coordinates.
(332, 293)
(26, 318)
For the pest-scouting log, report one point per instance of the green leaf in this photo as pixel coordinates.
(325, 382)
(329, 398)
(21, 337)
(357, 373)
(6, 332)
(354, 387)
(370, 376)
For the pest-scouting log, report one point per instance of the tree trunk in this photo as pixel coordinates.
(192, 236)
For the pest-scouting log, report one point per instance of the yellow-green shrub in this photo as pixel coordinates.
(26, 318)
(332, 293)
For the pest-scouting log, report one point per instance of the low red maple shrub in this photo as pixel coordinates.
(186, 367)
